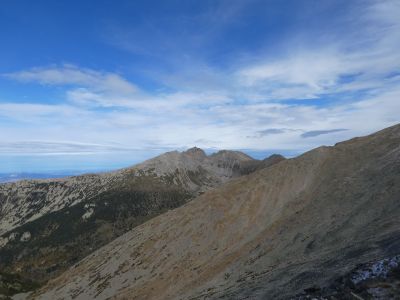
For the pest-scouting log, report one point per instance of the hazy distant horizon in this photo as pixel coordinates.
(67, 165)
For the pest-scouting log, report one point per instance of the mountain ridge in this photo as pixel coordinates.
(272, 234)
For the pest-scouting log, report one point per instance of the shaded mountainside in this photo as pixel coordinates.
(42, 248)
(297, 225)
(62, 221)
(12, 284)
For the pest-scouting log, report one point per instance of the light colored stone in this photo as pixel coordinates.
(12, 236)
(88, 214)
(3, 241)
(26, 236)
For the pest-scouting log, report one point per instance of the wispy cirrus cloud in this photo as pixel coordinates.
(354, 61)
(358, 60)
(354, 56)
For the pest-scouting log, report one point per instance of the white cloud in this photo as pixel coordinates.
(314, 73)
(232, 126)
(316, 70)
(72, 75)
(85, 86)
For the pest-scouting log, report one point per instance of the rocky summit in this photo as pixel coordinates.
(298, 229)
(48, 225)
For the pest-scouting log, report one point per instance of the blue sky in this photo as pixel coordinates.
(87, 85)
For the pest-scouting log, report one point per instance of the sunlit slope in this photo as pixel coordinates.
(269, 235)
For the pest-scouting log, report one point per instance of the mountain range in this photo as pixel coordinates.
(48, 225)
(324, 225)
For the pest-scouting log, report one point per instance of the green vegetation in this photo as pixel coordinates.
(11, 284)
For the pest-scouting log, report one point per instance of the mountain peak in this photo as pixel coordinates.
(196, 152)
(231, 154)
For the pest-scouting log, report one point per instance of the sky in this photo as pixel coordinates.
(97, 85)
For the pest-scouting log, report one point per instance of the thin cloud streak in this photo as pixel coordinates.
(59, 148)
(315, 133)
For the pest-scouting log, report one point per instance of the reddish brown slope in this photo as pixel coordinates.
(268, 235)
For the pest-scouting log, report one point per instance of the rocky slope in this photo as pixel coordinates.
(374, 280)
(49, 225)
(297, 225)
(28, 200)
